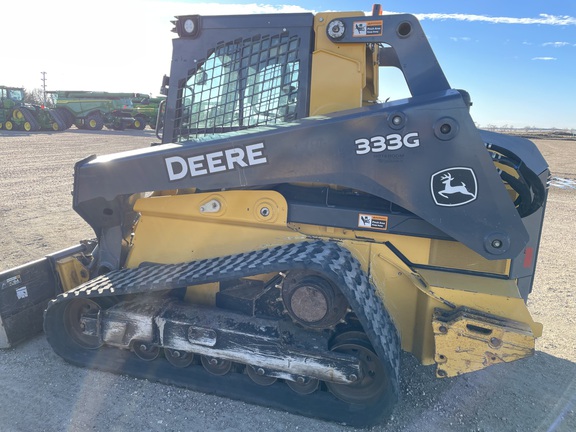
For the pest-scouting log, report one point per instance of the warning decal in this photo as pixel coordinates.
(373, 221)
(367, 28)
(21, 293)
(11, 281)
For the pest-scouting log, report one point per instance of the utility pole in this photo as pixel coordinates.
(44, 87)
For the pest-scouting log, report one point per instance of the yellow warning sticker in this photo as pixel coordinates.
(373, 221)
(367, 28)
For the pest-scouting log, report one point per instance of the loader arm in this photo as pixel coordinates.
(325, 150)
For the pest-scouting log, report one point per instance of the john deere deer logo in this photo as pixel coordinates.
(453, 187)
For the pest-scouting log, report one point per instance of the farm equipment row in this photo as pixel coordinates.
(86, 110)
(117, 111)
(15, 114)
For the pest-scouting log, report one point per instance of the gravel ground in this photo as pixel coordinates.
(43, 393)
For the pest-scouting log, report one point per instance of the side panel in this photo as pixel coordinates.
(348, 60)
(176, 229)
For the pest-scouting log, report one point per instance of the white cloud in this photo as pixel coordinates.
(545, 58)
(460, 39)
(242, 9)
(542, 19)
(556, 44)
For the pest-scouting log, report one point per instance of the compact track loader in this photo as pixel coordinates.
(292, 234)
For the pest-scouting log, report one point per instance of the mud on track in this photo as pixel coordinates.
(43, 393)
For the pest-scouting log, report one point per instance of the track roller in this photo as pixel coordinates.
(304, 385)
(178, 358)
(216, 366)
(258, 375)
(145, 350)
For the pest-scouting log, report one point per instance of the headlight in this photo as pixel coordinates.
(186, 26)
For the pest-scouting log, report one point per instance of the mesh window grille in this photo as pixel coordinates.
(241, 84)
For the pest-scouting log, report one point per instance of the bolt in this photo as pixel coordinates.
(495, 342)
(445, 129)
(260, 371)
(213, 361)
(321, 19)
(176, 354)
(353, 377)
(265, 211)
(496, 244)
(300, 380)
(397, 120)
(143, 347)
(443, 330)
(441, 373)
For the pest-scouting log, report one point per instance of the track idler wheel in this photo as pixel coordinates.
(145, 350)
(216, 366)
(257, 374)
(78, 313)
(178, 358)
(373, 381)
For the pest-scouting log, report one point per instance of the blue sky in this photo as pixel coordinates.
(516, 58)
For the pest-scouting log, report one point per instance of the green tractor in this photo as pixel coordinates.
(15, 114)
(93, 110)
(145, 110)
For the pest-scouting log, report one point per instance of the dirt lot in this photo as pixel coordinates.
(43, 393)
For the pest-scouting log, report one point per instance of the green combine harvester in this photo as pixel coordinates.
(93, 110)
(15, 114)
(145, 110)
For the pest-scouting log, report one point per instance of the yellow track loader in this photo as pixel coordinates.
(292, 234)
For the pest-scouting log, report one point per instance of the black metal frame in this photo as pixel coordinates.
(239, 32)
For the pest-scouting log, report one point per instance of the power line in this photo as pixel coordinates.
(44, 87)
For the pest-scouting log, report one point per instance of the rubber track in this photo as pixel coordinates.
(55, 115)
(329, 258)
(29, 117)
